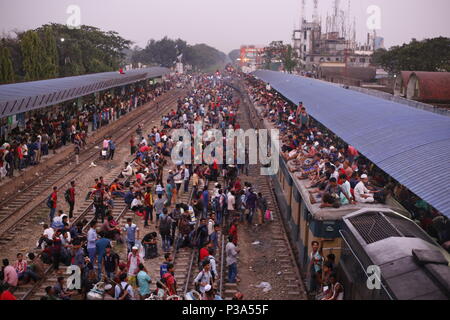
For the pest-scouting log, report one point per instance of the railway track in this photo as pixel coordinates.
(83, 212)
(290, 278)
(16, 212)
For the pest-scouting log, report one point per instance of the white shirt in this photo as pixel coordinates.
(205, 277)
(212, 261)
(136, 202)
(49, 233)
(345, 187)
(210, 226)
(118, 291)
(231, 253)
(359, 190)
(133, 264)
(231, 201)
(128, 171)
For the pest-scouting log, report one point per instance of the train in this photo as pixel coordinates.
(306, 222)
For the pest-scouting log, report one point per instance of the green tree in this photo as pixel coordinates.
(427, 55)
(6, 66)
(289, 59)
(33, 56)
(272, 54)
(165, 53)
(234, 55)
(51, 66)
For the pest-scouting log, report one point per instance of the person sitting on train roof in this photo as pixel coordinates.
(362, 194)
(309, 169)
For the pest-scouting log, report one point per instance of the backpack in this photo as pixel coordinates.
(98, 199)
(50, 202)
(124, 290)
(164, 225)
(67, 195)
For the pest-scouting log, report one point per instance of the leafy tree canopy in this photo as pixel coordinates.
(427, 55)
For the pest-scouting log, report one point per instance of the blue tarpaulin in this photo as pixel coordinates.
(409, 144)
(21, 97)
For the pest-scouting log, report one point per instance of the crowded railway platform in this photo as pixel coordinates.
(135, 225)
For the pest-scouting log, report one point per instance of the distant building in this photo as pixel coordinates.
(401, 82)
(378, 43)
(251, 57)
(315, 48)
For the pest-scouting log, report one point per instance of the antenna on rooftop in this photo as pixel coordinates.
(316, 11)
(303, 13)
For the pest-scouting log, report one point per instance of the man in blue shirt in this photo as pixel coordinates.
(163, 267)
(205, 201)
(129, 196)
(100, 246)
(132, 233)
(112, 148)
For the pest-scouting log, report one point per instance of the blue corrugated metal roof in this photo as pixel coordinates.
(21, 97)
(411, 145)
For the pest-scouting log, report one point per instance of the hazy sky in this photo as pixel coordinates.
(225, 24)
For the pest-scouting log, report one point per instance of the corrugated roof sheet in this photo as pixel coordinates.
(26, 96)
(433, 86)
(411, 145)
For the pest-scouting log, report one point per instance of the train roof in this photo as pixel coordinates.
(25, 96)
(409, 144)
(330, 214)
(412, 265)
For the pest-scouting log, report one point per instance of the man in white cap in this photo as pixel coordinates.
(109, 292)
(133, 262)
(362, 194)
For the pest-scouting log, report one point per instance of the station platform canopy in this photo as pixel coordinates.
(21, 97)
(409, 144)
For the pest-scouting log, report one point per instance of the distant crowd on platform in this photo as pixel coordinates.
(46, 132)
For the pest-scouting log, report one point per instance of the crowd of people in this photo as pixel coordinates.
(336, 173)
(26, 144)
(155, 197)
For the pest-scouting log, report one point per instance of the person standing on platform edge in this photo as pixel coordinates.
(132, 145)
(52, 203)
(112, 148)
(70, 198)
(231, 252)
(77, 153)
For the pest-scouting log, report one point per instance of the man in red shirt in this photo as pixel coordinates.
(132, 145)
(234, 232)
(169, 280)
(54, 199)
(5, 294)
(204, 251)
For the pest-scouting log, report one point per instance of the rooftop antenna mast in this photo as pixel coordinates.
(303, 14)
(335, 27)
(316, 11)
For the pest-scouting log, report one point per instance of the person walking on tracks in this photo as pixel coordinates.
(91, 241)
(204, 277)
(232, 253)
(165, 225)
(99, 197)
(51, 203)
(112, 149)
(70, 198)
